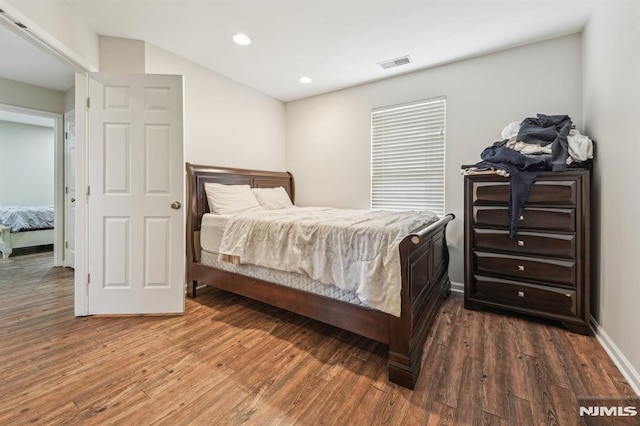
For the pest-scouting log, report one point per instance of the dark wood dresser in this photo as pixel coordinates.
(544, 269)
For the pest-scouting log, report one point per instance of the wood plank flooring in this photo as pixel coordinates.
(232, 361)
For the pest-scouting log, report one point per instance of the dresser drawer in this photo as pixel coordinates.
(549, 270)
(553, 245)
(557, 192)
(531, 218)
(524, 295)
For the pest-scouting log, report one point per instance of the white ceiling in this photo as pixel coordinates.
(337, 43)
(22, 61)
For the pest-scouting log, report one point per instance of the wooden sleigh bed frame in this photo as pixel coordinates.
(425, 282)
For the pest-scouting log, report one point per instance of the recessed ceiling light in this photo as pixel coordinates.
(305, 80)
(242, 39)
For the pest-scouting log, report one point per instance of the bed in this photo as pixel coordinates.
(424, 260)
(25, 226)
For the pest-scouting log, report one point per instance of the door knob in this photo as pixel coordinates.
(176, 205)
(73, 200)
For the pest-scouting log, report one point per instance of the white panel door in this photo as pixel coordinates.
(70, 189)
(136, 191)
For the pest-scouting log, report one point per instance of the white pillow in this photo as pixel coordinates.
(273, 198)
(230, 199)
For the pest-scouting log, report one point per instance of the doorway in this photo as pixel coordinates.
(36, 89)
(32, 152)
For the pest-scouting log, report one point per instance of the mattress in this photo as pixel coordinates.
(355, 250)
(212, 231)
(288, 279)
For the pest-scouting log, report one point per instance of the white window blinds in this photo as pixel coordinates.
(407, 156)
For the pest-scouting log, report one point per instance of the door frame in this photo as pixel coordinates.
(67, 226)
(58, 174)
(81, 276)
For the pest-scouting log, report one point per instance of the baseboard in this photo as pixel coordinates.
(457, 287)
(618, 358)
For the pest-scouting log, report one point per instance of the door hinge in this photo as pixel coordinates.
(66, 135)
(88, 103)
(88, 279)
(88, 190)
(66, 244)
(66, 189)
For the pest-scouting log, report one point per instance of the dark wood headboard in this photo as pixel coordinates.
(197, 175)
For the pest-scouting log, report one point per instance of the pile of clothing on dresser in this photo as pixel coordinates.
(543, 143)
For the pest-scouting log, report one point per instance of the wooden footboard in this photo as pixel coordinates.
(425, 281)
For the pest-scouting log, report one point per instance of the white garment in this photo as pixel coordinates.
(528, 148)
(511, 130)
(580, 146)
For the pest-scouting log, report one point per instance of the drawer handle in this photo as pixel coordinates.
(520, 243)
(522, 217)
(520, 293)
(520, 268)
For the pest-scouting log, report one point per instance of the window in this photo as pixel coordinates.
(407, 156)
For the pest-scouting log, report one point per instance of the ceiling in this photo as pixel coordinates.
(338, 43)
(22, 61)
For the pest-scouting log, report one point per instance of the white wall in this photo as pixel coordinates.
(29, 96)
(26, 175)
(69, 100)
(328, 136)
(122, 55)
(226, 124)
(612, 116)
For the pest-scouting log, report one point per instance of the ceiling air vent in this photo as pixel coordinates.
(392, 63)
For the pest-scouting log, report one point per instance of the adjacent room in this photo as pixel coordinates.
(360, 212)
(26, 196)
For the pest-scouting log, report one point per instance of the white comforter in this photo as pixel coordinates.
(356, 250)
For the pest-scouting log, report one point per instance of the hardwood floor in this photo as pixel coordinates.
(231, 361)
